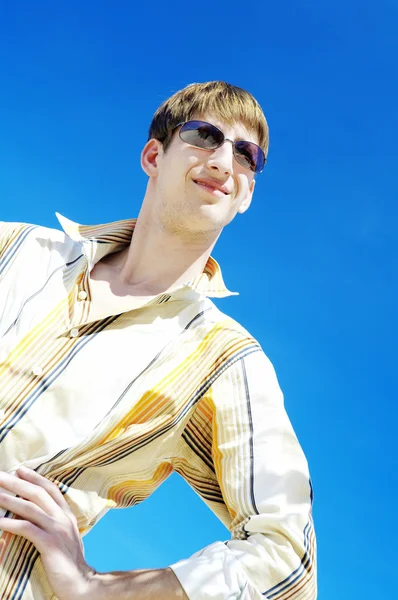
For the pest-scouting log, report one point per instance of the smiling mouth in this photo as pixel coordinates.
(209, 187)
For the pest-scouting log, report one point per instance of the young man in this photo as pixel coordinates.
(116, 369)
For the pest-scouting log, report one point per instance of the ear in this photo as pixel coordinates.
(149, 157)
(244, 205)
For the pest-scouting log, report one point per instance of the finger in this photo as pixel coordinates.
(24, 509)
(26, 529)
(50, 487)
(29, 491)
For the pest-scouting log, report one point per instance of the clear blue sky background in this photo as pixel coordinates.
(314, 258)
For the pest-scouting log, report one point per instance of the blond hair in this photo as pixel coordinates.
(228, 102)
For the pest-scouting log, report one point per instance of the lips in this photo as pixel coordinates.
(212, 185)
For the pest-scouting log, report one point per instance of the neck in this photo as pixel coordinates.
(160, 259)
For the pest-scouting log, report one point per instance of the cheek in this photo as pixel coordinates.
(243, 186)
(179, 171)
(172, 176)
(243, 192)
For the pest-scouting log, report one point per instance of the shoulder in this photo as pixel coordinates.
(241, 346)
(246, 349)
(227, 323)
(12, 233)
(15, 234)
(30, 242)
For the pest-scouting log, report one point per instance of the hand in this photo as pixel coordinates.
(45, 519)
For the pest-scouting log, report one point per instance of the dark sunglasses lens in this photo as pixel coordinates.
(250, 155)
(201, 135)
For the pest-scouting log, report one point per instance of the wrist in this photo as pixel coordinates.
(87, 586)
(126, 585)
(95, 586)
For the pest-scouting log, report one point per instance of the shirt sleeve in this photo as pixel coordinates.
(265, 484)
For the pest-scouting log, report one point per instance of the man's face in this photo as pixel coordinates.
(185, 182)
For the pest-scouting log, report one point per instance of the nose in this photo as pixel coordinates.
(221, 159)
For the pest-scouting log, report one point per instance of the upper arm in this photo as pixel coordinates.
(264, 477)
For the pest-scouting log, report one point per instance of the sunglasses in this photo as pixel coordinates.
(207, 136)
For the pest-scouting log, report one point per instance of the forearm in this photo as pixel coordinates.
(137, 585)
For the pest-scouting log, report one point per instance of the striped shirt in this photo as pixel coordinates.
(109, 408)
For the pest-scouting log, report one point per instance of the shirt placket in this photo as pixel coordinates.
(79, 303)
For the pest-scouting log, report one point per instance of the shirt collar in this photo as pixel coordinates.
(100, 240)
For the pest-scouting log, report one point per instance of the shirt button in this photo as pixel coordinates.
(74, 332)
(37, 370)
(82, 295)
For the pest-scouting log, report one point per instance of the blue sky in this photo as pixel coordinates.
(314, 259)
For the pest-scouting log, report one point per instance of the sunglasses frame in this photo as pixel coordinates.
(224, 139)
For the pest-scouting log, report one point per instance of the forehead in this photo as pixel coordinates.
(235, 131)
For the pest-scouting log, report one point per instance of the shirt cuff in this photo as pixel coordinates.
(212, 574)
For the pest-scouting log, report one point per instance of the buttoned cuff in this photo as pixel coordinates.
(212, 574)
